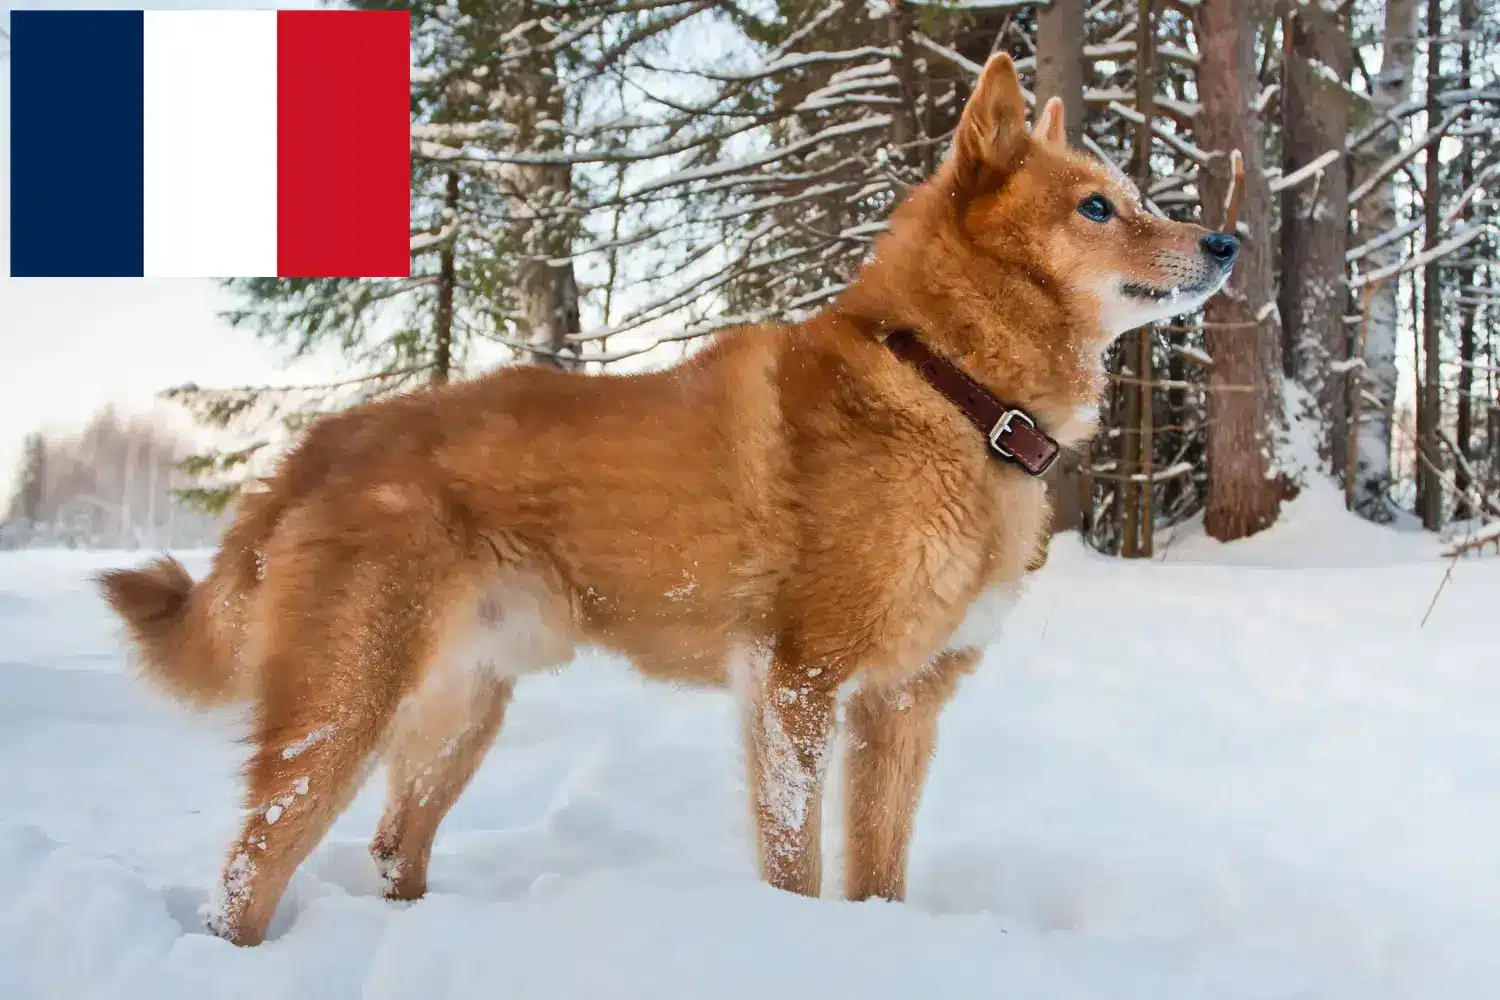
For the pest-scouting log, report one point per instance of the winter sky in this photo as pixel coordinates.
(68, 347)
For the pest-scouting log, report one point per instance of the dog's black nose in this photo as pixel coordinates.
(1221, 247)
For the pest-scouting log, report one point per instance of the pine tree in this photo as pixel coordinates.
(1429, 393)
(1315, 216)
(26, 505)
(1246, 421)
(854, 104)
(1468, 307)
(1060, 71)
(1060, 35)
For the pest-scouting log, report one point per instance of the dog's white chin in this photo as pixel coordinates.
(1120, 311)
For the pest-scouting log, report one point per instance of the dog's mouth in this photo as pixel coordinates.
(1162, 294)
(1150, 293)
(1130, 302)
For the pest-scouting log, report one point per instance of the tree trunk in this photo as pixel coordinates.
(1492, 437)
(1059, 73)
(898, 31)
(1243, 331)
(1137, 443)
(1315, 220)
(1392, 86)
(549, 302)
(1059, 60)
(1430, 410)
(548, 291)
(1468, 16)
(442, 360)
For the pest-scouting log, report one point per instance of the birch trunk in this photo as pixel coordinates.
(1392, 86)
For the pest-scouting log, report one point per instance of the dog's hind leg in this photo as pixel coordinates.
(311, 754)
(892, 733)
(440, 740)
(347, 626)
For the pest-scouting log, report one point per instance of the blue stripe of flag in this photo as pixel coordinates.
(76, 143)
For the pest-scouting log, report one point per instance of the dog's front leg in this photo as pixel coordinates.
(892, 733)
(788, 719)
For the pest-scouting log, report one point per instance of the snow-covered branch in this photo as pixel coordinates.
(1178, 143)
(1305, 173)
(1456, 241)
(1399, 159)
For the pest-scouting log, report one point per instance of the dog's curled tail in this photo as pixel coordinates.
(168, 620)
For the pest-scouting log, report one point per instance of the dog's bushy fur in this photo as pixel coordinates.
(790, 510)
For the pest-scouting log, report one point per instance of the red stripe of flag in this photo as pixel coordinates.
(343, 134)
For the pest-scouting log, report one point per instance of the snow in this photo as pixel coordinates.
(1234, 771)
(1258, 106)
(1195, 354)
(297, 748)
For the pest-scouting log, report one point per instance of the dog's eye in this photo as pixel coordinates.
(1097, 207)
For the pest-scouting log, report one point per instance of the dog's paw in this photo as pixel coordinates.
(395, 879)
(217, 922)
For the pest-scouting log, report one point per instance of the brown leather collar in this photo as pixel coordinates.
(1010, 432)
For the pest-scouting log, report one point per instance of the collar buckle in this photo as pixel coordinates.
(1035, 460)
(1003, 426)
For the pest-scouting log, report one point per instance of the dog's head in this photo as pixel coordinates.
(1071, 220)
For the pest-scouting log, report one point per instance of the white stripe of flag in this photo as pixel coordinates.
(210, 143)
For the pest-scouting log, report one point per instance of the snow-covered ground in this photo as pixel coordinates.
(1240, 771)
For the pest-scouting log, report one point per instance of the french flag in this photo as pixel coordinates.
(256, 143)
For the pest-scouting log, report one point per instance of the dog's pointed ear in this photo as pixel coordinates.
(1051, 125)
(992, 130)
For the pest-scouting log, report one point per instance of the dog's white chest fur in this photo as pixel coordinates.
(982, 624)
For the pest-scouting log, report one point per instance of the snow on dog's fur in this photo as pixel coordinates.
(795, 491)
